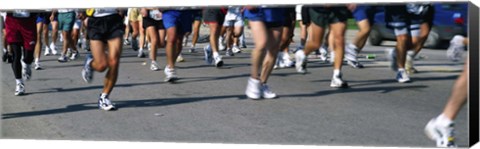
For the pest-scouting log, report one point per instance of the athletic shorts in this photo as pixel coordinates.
(181, 19)
(134, 15)
(78, 24)
(234, 23)
(147, 22)
(323, 17)
(105, 28)
(43, 18)
(214, 16)
(66, 21)
(197, 14)
(267, 15)
(363, 12)
(21, 30)
(425, 16)
(290, 15)
(305, 15)
(398, 18)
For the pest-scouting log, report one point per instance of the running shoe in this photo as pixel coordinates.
(442, 135)
(337, 82)
(218, 61)
(19, 89)
(253, 90)
(170, 75)
(300, 62)
(87, 71)
(154, 66)
(208, 54)
(267, 93)
(402, 77)
(105, 104)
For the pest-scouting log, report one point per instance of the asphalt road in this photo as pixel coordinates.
(208, 104)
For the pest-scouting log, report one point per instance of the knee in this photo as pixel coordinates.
(113, 63)
(102, 65)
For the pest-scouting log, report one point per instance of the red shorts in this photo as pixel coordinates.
(21, 30)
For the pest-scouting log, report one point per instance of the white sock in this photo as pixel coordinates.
(36, 60)
(336, 72)
(353, 46)
(193, 46)
(104, 95)
(19, 81)
(443, 120)
(401, 69)
(215, 54)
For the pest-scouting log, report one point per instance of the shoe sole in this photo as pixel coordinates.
(171, 80)
(430, 132)
(20, 94)
(108, 109)
(340, 86)
(219, 64)
(85, 78)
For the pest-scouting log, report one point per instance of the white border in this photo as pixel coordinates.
(56, 144)
(49, 4)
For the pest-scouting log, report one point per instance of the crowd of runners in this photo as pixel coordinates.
(104, 32)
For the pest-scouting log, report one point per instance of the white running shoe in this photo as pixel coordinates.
(236, 49)
(74, 56)
(337, 82)
(154, 66)
(350, 53)
(267, 93)
(456, 49)
(300, 62)
(332, 57)
(38, 66)
(180, 58)
(27, 71)
(105, 104)
(126, 42)
(323, 53)
(20, 89)
(286, 60)
(62, 59)
(221, 44)
(253, 90)
(47, 51)
(208, 54)
(141, 53)
(402, 77)
(229, 52)
(53, 48)
(443, 135)
(87, 71)
(218, 61)
(192, 50)
(409, 65)
(170, 74)
(392, 57)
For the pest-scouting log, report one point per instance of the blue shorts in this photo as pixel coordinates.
(44, 18)
(363, 12)
(182, 19)
(268, 15)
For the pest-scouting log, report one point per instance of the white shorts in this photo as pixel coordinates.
(237, 22)
(77, 24)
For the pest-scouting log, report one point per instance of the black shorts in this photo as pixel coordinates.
(290, 15)
(213, 15)
(425, 17)
(197, 14)
(305, 15)
(147, 22)
(323, 17)
(105, 28)
(273, 24)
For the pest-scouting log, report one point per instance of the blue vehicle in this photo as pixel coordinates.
(450, 19)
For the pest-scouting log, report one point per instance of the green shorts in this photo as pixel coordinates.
(322, 16)
(66, 21)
